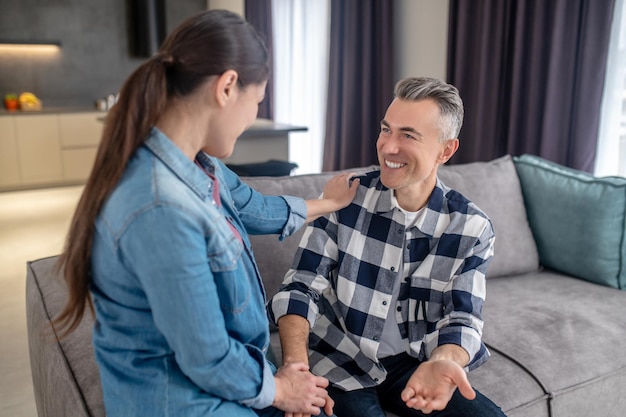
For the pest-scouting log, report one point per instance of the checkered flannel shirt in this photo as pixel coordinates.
(343, 274)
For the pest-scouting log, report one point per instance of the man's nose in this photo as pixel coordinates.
(389, 145)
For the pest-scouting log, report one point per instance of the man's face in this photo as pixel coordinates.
(408, 146)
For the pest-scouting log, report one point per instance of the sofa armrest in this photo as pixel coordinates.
(65, 376)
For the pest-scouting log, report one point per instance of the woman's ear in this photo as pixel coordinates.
(226, 87)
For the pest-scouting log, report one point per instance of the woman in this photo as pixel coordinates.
(159, 238)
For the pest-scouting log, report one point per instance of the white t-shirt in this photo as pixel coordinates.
(391, 342)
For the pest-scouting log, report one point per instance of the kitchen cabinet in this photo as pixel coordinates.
(47, 148)
(9, 168)
(80, 136)
(39, 149)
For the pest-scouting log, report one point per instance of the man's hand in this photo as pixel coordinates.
(432, 384)
(299, 392)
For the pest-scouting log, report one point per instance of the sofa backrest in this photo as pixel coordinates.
(493, 186)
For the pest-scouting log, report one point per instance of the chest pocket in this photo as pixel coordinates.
(224, 255)
(425, 307)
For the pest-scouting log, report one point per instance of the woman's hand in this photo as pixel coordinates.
(339, 189)
(300, 392)
(338, 193)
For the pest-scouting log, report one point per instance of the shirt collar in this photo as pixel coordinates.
(176, 161)
(427, 221)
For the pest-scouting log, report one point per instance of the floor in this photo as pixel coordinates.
(33, 225)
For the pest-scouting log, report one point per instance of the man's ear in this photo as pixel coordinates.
(448, 150)
(225, 87)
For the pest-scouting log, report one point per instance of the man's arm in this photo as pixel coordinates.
(432, 384)
(294, 337)
(454, 353)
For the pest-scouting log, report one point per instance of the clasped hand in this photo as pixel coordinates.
(432, 384)
(300, 393)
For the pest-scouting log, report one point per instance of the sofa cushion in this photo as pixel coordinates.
(578, 220)
(567, 333)
(495, 188)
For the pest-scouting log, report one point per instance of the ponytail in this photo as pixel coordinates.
(141, 102)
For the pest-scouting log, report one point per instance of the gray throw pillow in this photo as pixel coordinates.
(495, 188)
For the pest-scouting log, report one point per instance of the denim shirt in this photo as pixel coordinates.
(180, 325)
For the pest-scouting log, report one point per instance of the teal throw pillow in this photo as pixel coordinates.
(578, 220)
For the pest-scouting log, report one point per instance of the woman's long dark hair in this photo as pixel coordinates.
(206, 44)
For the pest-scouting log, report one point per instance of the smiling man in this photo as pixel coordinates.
(384, 298)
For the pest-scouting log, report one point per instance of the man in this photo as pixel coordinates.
(388, 292)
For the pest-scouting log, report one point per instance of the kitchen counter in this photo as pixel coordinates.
(57, 145)
(261, 127)
(264, 140)
(49, 110)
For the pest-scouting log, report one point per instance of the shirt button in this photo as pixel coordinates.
(375, 379)
(393, 268)
(399, 308)
(375, 338)
(384, 303)
(400, 231)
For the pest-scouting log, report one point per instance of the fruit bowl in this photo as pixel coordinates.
(29, 102)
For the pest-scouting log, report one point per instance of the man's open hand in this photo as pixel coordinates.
(432, 384)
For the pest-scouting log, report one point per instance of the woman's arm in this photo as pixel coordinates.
(264, 214)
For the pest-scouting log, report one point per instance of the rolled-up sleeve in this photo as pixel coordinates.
(304, 283)
(264, 214)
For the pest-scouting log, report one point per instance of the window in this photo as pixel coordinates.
(611, 152)
(301, 37)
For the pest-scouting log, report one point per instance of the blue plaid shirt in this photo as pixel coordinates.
(344, 271)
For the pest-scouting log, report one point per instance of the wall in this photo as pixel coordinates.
(94, 58)
(420, 38)
(237, 6)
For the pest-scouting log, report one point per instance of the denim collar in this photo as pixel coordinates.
(176, 161)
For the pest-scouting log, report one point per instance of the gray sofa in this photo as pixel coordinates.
(555, 314)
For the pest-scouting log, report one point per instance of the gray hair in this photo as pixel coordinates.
(445, 95)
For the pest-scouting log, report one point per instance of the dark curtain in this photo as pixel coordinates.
(259, 14)
(531, 74)
(360, 83)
